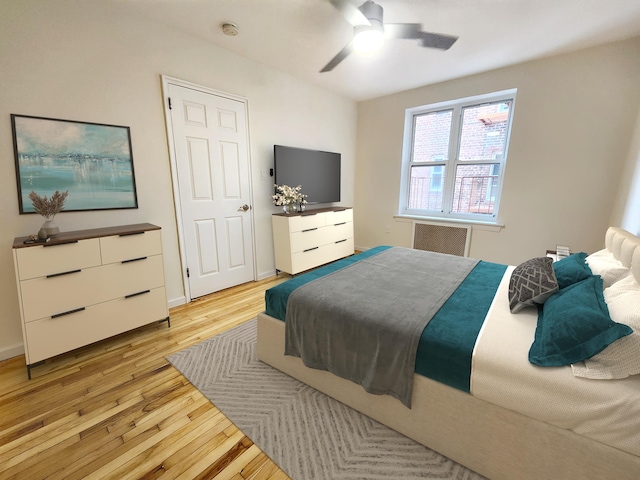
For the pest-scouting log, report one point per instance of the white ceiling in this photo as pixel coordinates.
(301, 36)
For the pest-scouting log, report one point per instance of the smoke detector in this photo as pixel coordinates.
(230, 29)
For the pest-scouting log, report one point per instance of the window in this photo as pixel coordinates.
(454, 157)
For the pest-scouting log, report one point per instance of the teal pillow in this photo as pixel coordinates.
(573, 325)
(571, 269)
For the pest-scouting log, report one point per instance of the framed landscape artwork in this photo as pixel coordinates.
(94, 162)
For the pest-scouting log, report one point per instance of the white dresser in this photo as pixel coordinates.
(88, 285)
(312, 238)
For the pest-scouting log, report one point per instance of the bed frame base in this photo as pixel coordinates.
(493, 441)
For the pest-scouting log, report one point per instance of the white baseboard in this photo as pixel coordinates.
(176, 302)
(12, 351)
(263, 275)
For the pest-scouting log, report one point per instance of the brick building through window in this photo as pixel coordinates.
(456, 156)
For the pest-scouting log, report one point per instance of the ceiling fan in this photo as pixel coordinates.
(370, 31)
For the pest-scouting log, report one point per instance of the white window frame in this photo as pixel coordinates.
(451, 164)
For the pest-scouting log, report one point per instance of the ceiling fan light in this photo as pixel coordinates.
(368, 40)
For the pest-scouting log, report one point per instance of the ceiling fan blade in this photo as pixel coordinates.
(352, 13)
(342, 54)
(403, 30)
(437, 40)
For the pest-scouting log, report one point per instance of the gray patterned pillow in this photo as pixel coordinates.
(532, 282)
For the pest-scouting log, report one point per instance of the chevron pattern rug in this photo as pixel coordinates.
(308, 434)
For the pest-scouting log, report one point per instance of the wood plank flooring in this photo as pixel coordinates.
(117, 409)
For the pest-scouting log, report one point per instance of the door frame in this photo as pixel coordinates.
(166, 81)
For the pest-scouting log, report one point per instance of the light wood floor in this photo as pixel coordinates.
(117, 409)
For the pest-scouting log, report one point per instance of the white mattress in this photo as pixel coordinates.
(604, 410)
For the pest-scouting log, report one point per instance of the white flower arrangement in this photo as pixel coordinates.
(286, 195)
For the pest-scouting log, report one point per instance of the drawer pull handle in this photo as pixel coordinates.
(340, 241)
(134, 260)
(130, 233)
(68, 313)
(308, 214)
(336, 224)
(63, 273)
(309, 230)
(136, 294)
(309, 249)
(59, 243)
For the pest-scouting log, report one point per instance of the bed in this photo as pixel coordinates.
(517, 420)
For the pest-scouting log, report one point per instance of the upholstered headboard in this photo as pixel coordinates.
(625, 247)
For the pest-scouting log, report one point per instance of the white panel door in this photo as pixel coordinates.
(212, 165)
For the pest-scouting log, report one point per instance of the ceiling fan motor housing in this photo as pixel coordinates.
(374, 13)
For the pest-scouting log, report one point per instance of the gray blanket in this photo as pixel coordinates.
(364, 322)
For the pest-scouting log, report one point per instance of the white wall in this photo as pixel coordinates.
(571, 135)
(87, 61)
(627, 211)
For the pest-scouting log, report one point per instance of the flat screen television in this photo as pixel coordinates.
(318, 172)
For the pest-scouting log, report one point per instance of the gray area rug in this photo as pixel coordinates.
(308, 434)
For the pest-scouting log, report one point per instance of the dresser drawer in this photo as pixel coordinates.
(52, 336)
(126, 247)
(43, 297)
(303, 222)
(339, 216)
(339, 231)
(340, 249)
(311, 238)
(302, 261)
(51, 259)
(129, 277)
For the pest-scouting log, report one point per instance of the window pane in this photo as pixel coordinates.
(425, 190)
(484, 131)
(476, 187)
(431, 136)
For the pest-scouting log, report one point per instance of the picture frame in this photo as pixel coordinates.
(93, 161)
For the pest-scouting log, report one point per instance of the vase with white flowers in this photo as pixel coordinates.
(48, 208)
(289, 197)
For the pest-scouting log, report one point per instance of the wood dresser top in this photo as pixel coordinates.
(68, 237)
(312, 212)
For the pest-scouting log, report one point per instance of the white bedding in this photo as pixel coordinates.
(607, 411)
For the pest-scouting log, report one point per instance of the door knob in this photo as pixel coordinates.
(244, 208)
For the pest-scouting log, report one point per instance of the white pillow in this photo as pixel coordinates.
(622, 357)
(604, 264)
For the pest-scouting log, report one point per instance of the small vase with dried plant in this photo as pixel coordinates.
(48, 208)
